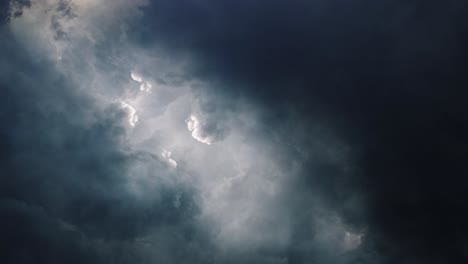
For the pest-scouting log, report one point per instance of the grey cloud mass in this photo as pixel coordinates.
(188, 131)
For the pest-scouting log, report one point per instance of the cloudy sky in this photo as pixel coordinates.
(222, 131)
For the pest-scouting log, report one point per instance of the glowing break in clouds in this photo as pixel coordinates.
(167, 157)
(131, 112)
(194, 126)
(144, 85)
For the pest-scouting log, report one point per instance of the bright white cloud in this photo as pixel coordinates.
(136, 77)
(131, 112)
(167, 157)
(145, 86)
(194, 126)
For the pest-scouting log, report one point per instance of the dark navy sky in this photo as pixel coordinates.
(218, 131)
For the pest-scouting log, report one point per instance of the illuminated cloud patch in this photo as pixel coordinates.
(145, 86)
(195, 126)
(166, 155)
(131, 113)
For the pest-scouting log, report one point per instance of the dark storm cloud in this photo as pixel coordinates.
(5, 9)
(64, 179)
(389, 74)
(29, 235)
(386, 77)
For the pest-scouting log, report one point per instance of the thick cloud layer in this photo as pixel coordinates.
(389, 75)
(233, 131)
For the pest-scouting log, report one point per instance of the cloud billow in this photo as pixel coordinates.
(232, 132)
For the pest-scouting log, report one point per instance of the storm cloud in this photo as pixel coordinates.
(189, 131)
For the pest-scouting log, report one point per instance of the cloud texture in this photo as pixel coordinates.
(189, 131)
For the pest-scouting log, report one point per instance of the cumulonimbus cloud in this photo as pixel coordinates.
(239, 187)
